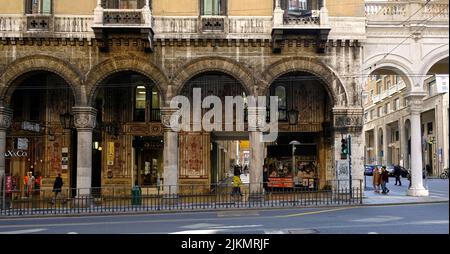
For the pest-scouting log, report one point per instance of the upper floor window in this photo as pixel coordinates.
(380, 111)
(297, 6)
(372, 113)
(213, 7)
(147, 101)
(431, 88)
(396, 104)
(38, 7)
(379, 87)
(123, 4)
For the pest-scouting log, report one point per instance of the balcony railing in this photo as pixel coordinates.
(389, 11)
(122, 17)
(65, 26)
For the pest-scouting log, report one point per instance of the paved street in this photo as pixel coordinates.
(438, 191)
(392, 219)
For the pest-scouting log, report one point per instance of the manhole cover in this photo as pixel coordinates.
(303, 231)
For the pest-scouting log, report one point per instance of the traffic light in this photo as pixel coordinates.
(344, 147)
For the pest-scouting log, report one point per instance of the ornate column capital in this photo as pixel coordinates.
(85, 118)
(6, 117)
(169, 123)
(415, 102)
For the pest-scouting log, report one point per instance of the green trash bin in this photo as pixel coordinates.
(136, 195)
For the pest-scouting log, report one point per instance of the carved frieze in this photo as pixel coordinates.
(84, 118)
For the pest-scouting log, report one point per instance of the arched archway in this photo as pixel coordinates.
(128, 105)
(109, 67)
(19, 68)
(42, 103)
(214, 64)
(215, 151)
(332, 83)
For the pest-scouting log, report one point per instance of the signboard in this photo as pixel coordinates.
(110, 156)
(342, 174)
(64, 158)
(442, 83)
(281, 182)
(8, 184)
(22, 143)
(29, 126)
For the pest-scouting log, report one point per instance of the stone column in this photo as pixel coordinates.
(385, 145)
(416, 188)
(257, 118)
(403, 142)
(170, 152)
(6, 115)
(376, 143)
(84, 122)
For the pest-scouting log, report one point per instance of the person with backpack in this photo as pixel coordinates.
(57, 185)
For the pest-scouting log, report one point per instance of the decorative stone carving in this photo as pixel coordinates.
(6, 115)
(167, 120)
(415, 102)
(348, 120)
(84, 118)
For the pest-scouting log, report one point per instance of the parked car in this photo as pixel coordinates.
(368, 170)
(390, 170)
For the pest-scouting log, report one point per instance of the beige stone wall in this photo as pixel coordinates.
(11, 7)
(80, 7)
(175, 8)
(250, 8)
(346, 8)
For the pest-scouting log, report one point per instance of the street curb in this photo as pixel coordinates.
(213, 210)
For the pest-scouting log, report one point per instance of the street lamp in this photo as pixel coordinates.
(293, 143)
(292, 116)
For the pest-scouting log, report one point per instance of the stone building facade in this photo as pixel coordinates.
(114, 66)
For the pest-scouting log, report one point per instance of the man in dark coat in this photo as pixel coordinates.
(57, 185)
(398, 175)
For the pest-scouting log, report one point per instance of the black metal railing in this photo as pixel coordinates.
(182, 197)
(155, 115)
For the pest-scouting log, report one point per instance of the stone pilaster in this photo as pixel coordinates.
(170, 151)
(256, 120)
(6, 115)
(415, 108)
(84, 122)
(349, 121)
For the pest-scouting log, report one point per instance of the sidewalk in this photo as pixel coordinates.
(438, 192)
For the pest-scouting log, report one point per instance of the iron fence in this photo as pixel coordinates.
(181, 198)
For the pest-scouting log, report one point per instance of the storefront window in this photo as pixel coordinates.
(280, 92)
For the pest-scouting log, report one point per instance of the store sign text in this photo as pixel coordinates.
(19, 153)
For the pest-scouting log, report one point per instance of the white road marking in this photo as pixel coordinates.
(379, 219)
(24, 231)
(72, 233)
(432, 222)
(200, 225)
(241, 226)
(203, 231)
(372, 233)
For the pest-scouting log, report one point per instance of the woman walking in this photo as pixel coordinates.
(376, 180)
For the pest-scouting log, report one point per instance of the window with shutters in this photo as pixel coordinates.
(124, 4)
(213, 7)
(38, 6)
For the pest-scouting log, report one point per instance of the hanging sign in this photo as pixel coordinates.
(29, 126)
(22, 143)
(19, 153)
(110, 156)
(64, 158)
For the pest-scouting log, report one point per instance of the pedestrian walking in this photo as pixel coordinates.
(265, 178)
(384, 180)
(237, 182)
(57, 185)
(376, 179)
(398, 175)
